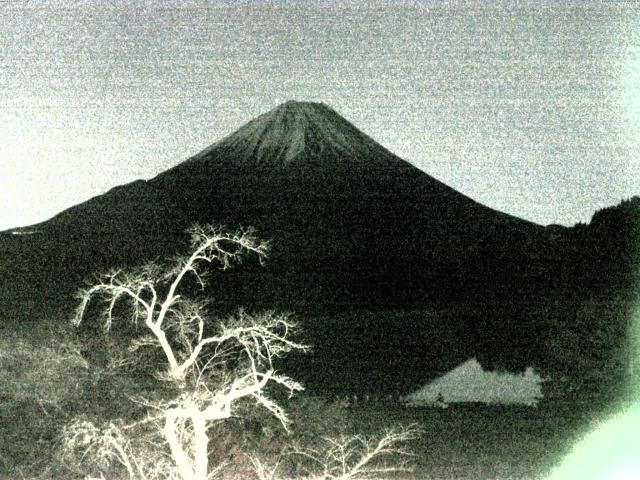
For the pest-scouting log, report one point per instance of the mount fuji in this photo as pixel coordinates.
(353, 227)
(365, 224)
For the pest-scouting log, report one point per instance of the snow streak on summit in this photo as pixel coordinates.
(296, 131)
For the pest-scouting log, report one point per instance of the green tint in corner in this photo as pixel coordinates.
(611, 451)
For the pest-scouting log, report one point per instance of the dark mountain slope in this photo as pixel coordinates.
(124, 226)
(350, 221)
(338, 205)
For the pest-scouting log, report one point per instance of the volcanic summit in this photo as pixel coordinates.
(298, 132)
(349, 220)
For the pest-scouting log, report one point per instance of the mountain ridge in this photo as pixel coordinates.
(332, 200)
(297, 139)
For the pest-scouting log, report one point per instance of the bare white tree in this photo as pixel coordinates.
(358, 458)
(352, 457)
(214, 367)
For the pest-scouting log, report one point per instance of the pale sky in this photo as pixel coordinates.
(532, 108)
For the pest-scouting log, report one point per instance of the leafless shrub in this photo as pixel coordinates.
(212, 369)
(351, 457)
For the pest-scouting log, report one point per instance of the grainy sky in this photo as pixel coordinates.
(532, 108)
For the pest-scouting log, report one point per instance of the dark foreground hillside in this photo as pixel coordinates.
(460, 442)
(575, 327)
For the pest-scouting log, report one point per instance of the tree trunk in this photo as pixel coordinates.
(179, 456)
(201, 444)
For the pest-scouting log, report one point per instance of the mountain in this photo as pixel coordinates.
(300, 134)
(354, 228)
(341, 207)
(351, 222)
